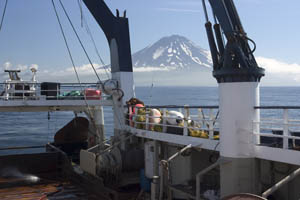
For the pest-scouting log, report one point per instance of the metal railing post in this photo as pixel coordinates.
(164, 120)
(211, 124)
(200, 116)
(186, 117)
(147, 121)
(135, 116)
(285, 129)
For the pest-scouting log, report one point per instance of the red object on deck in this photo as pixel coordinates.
(137, 106)
(92, 94)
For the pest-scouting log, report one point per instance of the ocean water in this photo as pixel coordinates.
(25, 129)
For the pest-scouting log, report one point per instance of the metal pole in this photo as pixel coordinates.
(211, 124)
(166, 162)
(205, 10)
(161, 184)
(154, 188)
(281, 183)
(204, 171)
(147, 121)
(199, 175)
(285, 129)
(186, 117)
(164, 118)
(179, 152)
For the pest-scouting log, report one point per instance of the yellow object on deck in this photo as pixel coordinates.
(198, 133)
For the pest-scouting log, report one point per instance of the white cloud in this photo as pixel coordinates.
(278, 73)
(22, 67)
(8, 65)
(86, 73)
(275, 66)
(151, 69)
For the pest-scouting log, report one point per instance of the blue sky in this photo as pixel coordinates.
(31, 34)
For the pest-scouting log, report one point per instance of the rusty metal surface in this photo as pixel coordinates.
(46, 190)
(37, 177)
(51, 176)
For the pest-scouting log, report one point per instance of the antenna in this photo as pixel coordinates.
(33, 70)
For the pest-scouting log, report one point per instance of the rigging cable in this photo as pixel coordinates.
(88, 57)
(3, 15)
(69, 52)
(96, 49)
(97, 52)
(72, 60)
(80, 8)
(88, 30)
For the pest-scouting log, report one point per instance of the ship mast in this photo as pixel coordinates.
(116, 30)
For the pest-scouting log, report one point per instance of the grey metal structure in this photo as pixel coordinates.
(114, 28)
(235, 62)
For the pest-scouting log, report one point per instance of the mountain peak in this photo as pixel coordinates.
(175, 37)
(175, 52)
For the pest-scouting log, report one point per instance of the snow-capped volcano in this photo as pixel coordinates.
(174, 52)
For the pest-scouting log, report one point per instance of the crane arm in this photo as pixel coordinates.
(235, 62)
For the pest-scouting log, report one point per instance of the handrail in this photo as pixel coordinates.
(207, 122)
(281, 183)
(284, 124)
(39, 83)
(165, 163)
(34, 91)
(199, 175)
(276, 107)
(182, 106)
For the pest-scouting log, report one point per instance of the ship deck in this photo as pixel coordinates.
(22, 189)
(38, 176)
(51, 175)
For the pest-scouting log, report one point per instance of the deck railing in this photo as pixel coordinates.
(282, 131)
(197, 121)
(34, 91)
